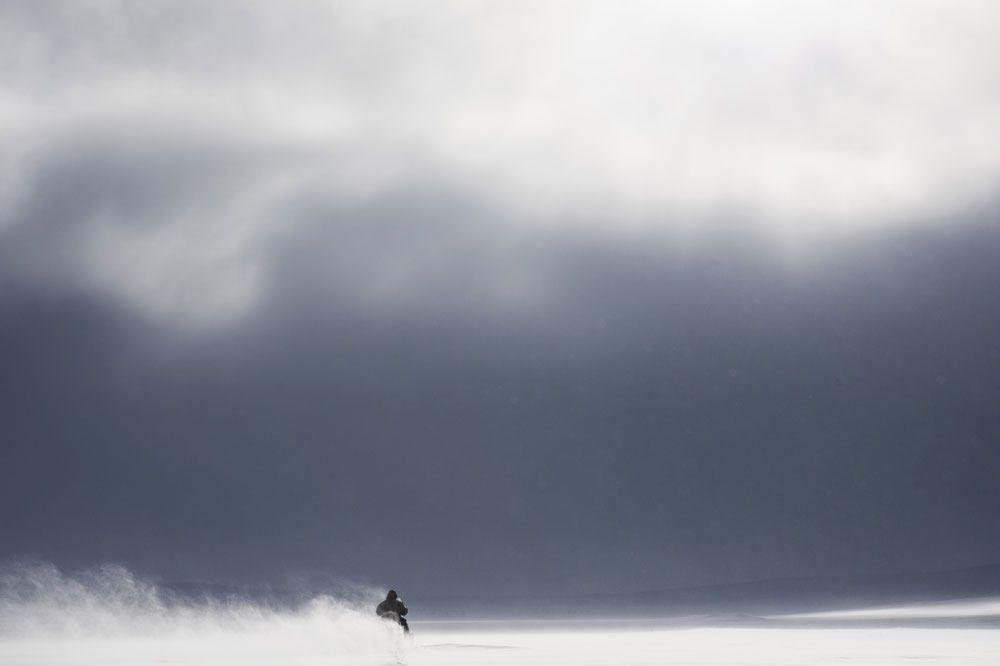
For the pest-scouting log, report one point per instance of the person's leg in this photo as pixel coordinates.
(402, 622)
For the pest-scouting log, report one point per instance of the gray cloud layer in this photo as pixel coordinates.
(545, 296)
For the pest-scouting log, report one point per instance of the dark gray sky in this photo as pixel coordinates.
(511, 298)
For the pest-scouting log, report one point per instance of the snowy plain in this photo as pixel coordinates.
(516, 646)
(111, 617)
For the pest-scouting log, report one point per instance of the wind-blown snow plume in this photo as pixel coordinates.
(109, 610)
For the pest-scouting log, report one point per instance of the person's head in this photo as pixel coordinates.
(392, 595)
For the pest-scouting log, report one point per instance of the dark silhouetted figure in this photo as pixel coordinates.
(393, 609)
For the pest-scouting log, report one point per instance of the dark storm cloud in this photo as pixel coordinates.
(363, 292)
(664, 418)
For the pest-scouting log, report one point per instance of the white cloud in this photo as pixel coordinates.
(801, 117)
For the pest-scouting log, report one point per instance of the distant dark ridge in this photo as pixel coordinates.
(766, 597)
(750, 599)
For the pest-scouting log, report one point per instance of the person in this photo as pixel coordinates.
(393, 609)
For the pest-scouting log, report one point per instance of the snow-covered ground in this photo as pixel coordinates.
(965, 608)
(709, 646)
(515, 647)
(110, 617)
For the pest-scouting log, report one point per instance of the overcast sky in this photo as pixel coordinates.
(508, 297)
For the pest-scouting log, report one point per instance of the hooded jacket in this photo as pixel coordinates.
(393, 605)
